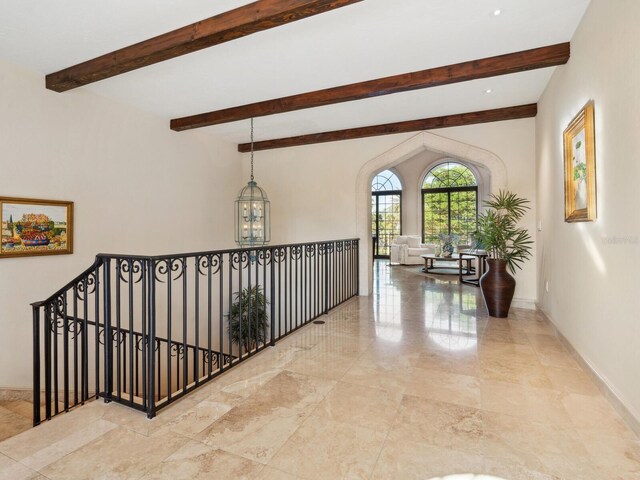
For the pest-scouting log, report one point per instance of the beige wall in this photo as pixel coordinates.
(313, 188)
(138, 187)
(591, 268)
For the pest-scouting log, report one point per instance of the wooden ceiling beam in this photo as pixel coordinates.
(240, 22)
(457, 120)
(460, 72)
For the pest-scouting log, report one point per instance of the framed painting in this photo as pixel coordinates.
(580, 167)
(35, 227)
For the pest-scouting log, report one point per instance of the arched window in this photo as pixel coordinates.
(386, 211)
(386, 181)
(449, 202)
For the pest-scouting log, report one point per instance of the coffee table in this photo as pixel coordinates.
(430, 258)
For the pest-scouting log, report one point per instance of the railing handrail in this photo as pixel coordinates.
(96, 263)
(101, 256)
(217, 252)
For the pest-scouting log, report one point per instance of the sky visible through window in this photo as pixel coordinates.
(386, 180)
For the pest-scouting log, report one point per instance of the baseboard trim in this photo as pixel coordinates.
(8, 394)
(524, 303)
(607, 390)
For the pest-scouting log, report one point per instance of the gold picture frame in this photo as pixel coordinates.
(30, 227)
(580, 167)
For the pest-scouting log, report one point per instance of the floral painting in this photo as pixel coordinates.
(35, 227)
(579, 160)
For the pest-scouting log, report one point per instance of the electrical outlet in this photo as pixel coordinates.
(540, 225)
(546, 286)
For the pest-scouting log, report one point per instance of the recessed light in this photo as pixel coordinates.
(488, 90)
(497, 12)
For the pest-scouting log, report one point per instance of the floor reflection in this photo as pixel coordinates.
(406, 301)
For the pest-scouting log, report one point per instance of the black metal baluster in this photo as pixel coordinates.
(358, 266)
(169, 332)
(220, 313)
(56, 388)
(149, 393)
(85, 340)
(334, 273)
(147, 266)
(326, 278)
(65, 352)
(185, 350)
(304, 292)
(296, 288)
(178, 348)
(351, 271)
(108, 338)
(249, 299)
(210, 315)
(353, 276)
(317, 282)
(280, 301)
(123, 339)
(76, 332)
(290, 289)
(355, 260)
(341, 273)
(264, 291)
(48, 309)
(131, 348)
(231, 258)
(256, 309)
(136, 369)
(240, 303)
(97, 330)
(272, 288)
(36, 365)
(196, 352)
(118, 331)
(159, 363)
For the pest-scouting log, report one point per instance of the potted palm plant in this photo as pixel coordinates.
(507, 246)
(248, 320)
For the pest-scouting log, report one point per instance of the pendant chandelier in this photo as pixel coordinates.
(252, 213)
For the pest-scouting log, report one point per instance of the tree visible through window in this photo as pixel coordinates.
(449, 202)
(386, 213)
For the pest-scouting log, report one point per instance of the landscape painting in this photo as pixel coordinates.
(35, 227)
(579, 167)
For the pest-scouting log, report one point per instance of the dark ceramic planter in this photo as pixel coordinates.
(497, 287)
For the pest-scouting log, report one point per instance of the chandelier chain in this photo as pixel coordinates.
(252, 149)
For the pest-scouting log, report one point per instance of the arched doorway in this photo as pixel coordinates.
(386, 211)
(407, 149)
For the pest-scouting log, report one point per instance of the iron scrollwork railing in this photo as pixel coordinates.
(144, 331)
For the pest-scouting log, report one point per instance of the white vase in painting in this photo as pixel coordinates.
(581, 194)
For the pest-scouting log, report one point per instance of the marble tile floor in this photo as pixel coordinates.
(414, 382)
(15, 417)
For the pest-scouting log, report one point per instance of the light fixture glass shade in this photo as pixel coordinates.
(253, 217)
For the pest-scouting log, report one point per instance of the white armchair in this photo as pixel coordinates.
(406, 250)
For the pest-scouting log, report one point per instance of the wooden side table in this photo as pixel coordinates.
(481, 255)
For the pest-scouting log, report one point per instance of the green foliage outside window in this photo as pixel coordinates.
(453, 211)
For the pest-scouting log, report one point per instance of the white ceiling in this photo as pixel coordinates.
(367, 40)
